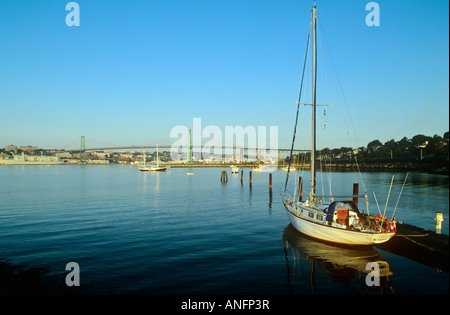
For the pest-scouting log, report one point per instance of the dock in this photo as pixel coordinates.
(423, 246)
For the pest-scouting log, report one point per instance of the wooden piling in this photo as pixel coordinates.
(250, 178)
(270, 191)
(242, 176)
(300, 188)
(355, 193)
(224, 177)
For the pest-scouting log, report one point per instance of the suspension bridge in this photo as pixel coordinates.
(188, 148)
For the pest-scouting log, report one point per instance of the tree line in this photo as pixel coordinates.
(418, 147)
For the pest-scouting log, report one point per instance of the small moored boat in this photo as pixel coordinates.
(144, 167)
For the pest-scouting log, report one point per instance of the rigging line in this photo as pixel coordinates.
(295, 190)
(323, 56)
(390, 188)
(359, 172)
(303, 164)
(329, 178)
(321, 173)
(362, 182)
(376, 201)
(298, 106)
(404, 182)
(414, 235)
(341, 89)
(339, 81)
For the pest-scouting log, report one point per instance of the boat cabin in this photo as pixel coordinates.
(343, 212)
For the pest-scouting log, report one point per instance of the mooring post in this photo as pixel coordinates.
(300, 188)
(355, 193)
(242, 176)
(224, 177)
(250, 178)
(270, 182)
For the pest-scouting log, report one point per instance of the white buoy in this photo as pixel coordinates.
(439, 218)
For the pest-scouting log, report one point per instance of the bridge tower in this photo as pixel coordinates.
(190, 146)
(83, 150)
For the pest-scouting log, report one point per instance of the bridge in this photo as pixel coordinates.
(141, 147)
(189, 148)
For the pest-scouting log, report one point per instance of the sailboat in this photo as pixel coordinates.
(340, 221)
(144, 167)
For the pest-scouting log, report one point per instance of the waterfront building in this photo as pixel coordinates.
(10, 148)
(31, 159)
(28, 148)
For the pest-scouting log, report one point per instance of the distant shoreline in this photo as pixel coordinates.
(438, 165)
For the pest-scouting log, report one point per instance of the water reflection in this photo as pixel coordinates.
(152, 178)
(270, 201)
(428, 180)
(346, 265)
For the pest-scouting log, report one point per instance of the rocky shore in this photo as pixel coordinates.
(430, 165)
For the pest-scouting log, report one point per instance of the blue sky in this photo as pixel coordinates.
(133, 70)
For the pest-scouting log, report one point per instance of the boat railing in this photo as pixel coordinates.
(286, 193)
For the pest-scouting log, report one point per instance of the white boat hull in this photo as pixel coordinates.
(152, 169)
(334, 234)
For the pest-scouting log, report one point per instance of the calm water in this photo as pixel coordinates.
(170, 233)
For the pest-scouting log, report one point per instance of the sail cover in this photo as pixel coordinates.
(341, 205)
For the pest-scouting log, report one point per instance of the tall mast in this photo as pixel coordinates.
(314, 80)
(157, 155)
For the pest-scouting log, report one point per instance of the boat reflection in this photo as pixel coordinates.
(346, 265)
